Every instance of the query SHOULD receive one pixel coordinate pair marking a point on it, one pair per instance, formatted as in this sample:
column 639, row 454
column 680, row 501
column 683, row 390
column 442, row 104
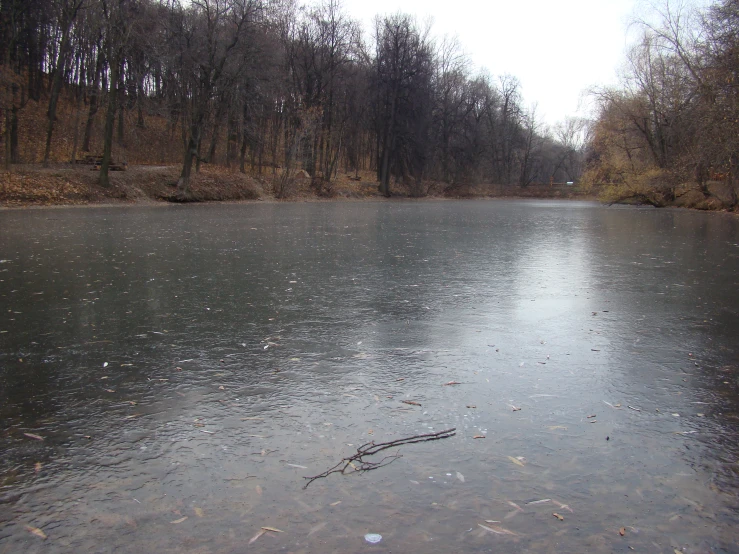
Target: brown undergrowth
column 66, row 184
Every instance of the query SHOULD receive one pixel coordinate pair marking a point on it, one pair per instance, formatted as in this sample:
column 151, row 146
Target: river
column 170, row 375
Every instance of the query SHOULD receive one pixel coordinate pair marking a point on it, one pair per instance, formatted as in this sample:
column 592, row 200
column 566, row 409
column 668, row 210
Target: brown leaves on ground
column 43, row 187
column 67, row 184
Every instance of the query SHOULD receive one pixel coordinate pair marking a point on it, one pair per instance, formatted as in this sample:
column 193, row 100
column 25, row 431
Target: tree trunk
column 56, row 87
column 8, row 123
column 139, row 101
column 183, row 184
column 14, row 135
column 120, row 133
column 121, row 97
column 191, row 151
column 388, row 145
column 7, row 140
column 216, row 131
column 198, row 157
column 110, row 123
column 77, row 110
column 242, row 165
column 94, row 93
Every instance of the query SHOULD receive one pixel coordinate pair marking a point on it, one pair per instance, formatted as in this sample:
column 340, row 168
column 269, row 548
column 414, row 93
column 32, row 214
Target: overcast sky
column 556, row 48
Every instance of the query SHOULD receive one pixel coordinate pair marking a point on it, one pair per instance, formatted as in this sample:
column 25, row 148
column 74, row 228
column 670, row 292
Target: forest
column 266, row 86
column 669, row 132
column 275, row 87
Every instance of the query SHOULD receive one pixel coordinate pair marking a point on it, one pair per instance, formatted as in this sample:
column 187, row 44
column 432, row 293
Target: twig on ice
column 356, row 462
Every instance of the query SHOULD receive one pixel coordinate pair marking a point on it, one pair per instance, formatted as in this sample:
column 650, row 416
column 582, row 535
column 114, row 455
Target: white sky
column 556, row 48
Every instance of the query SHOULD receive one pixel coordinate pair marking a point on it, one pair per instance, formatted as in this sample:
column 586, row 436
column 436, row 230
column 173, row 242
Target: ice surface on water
column 193, row 418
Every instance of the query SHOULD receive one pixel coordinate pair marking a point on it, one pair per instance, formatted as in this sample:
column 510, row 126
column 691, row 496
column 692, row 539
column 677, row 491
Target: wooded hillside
column 258, row 84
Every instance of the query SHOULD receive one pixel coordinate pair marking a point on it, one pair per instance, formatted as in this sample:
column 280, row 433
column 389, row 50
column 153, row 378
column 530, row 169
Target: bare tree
column 402, row 83
column 207, row 37
column 67, row 13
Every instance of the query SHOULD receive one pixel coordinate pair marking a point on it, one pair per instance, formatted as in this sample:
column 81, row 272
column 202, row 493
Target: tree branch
column 356, row 462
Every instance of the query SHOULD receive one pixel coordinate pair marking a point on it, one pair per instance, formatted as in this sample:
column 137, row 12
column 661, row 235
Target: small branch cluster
column 357, row 461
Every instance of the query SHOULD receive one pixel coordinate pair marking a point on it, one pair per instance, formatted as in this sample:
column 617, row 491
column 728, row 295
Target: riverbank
column 65, row 184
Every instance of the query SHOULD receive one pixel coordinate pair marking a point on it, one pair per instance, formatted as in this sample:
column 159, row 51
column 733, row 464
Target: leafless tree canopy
column 674, row 119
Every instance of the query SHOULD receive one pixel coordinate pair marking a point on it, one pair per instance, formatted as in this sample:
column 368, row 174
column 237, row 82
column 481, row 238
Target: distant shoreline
column 64, row 185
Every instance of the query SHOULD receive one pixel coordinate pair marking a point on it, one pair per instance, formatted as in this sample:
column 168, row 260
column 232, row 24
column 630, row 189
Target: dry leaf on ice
column 36, row 531
column 498, row 530
column 259, row 534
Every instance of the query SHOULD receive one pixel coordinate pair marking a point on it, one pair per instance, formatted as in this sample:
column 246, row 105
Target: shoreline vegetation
column 235, row 100
column 75, row 185
column 68, row 185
